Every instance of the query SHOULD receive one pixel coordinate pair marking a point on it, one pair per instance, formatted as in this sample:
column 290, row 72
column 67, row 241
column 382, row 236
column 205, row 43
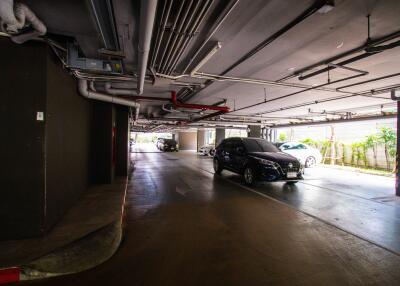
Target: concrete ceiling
column 317, row 38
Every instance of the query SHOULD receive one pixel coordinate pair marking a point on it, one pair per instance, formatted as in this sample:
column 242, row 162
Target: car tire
column 217, row 166
column 310, row 162
column 211, row 153
column 249, row 176
column 291, row 182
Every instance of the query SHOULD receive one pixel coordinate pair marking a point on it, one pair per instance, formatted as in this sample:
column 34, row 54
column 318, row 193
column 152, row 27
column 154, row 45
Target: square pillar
column 254, row 131
column 201, row 138
column 219, row 135
column 398, row 151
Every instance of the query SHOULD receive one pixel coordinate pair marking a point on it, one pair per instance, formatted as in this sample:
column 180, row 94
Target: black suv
column 167, row 145
column 257, row 160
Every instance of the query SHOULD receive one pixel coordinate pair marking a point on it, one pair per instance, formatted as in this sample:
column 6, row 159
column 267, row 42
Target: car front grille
column 285, row 167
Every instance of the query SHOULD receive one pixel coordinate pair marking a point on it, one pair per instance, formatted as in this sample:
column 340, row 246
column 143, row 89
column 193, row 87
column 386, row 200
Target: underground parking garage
column 200, row 142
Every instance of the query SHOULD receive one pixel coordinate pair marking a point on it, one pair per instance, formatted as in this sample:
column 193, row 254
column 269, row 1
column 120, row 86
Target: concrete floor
column 186, row 226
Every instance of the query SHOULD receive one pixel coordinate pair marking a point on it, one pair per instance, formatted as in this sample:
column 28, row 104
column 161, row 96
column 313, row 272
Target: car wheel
column 212, row 152
column 291, row 182
column 249, row 176
column 310, row 162
column 217, row 166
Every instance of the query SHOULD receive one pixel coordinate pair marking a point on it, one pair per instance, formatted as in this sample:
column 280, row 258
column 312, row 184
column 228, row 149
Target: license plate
column 291, row 175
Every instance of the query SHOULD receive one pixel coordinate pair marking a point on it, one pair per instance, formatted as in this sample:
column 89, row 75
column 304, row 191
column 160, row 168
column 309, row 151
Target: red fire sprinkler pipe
column 223, row 109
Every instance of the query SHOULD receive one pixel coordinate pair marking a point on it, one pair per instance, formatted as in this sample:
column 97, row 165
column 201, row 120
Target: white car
column 307, row 155
column 207, row 150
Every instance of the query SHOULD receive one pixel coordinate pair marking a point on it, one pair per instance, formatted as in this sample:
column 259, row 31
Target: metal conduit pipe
column 303, row 16
column 85, row 91
column 189, row 27
column 166, row 47
column 164, row 22
column 299, row 92
column 186, row 42
column 368, row 81
column 212, row 32
column 147, row 14
column 366, row 93
column 179, row 33
column 14, row 17
column 243, row 80
column 174, row 100
column 359, row 49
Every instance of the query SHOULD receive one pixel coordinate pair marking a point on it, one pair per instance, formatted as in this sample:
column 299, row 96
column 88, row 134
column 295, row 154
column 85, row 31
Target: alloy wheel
column 248, row 176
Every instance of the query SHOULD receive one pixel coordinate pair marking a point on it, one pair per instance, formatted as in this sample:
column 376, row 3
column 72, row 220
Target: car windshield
column 259, row 145
column 170, row 141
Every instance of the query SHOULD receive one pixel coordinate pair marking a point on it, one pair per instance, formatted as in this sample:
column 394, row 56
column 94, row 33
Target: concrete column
column 201, row 138
column 219, row 135
column 187, row 140
column 255, row 131
column 122, row 141
column 398, row 151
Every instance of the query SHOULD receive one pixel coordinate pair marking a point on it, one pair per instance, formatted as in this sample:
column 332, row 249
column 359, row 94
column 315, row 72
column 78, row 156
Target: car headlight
column 267, row 163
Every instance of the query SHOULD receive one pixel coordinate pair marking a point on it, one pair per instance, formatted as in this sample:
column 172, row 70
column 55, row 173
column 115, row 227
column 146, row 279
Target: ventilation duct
column 14, row 17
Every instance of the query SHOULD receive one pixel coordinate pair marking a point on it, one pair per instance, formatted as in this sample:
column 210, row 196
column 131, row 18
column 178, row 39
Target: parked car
column 306, row 154
column 257, row 160
column 167, row 145
column 207, row 150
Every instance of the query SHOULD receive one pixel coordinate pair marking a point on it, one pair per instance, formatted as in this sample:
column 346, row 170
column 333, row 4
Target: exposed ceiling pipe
column 299, row 92
column 341, row 120
column 303, row 16
column 365, row 93
column 174, row 100
column 179, row 32
column 164, row 21
column 147, row 14
column 219, row 22
column 178, row 53
column 85, row 91
column 172, row 28
column 208, row 116
column 359, row 49
column 216, row 77
column 14, row 17
column 368, row 81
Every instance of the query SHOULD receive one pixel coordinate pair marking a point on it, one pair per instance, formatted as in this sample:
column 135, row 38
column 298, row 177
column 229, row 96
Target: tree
column 371, row 142
column 310, row 142
column 282, row 137
column 387, row 137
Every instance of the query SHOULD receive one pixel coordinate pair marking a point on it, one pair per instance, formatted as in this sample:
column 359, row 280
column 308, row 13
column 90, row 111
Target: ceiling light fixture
column 207, row 57
column 327, row 7
column 340, row 45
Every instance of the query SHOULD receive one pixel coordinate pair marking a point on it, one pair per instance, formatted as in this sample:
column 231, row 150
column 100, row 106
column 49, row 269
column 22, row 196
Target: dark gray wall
column 44, row 164
column 68, row 121
column 122, row 147
column 47, row 165
column 101, row 147
column 22, row 91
